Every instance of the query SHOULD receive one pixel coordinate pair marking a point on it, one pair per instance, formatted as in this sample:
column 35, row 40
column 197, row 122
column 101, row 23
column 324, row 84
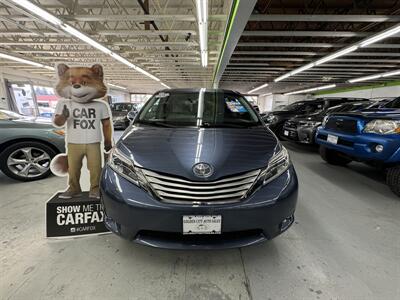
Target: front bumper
column 135, row 215
column 121, row 123
column 301, row 134
column 362, row 146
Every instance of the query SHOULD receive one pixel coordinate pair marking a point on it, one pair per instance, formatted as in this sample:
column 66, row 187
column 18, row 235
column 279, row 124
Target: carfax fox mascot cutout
column 87, row 119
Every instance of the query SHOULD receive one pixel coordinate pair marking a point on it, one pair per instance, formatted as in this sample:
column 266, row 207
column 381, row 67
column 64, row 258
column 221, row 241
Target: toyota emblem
column 203, row 170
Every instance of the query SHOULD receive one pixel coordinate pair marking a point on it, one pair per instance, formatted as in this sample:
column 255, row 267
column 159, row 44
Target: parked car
column 27, row 146
column 302, row 129
column 198, row 169
column 371, row 136
column 120, row 114
column 276, row 119
column 134, row 111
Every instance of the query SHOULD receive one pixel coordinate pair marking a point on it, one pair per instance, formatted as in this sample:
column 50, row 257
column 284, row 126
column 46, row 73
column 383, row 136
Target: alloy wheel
column 29, row 162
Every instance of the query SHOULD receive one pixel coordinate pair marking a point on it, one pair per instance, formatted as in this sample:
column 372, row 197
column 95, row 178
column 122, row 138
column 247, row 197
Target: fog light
column 111, row 224
column 286, row 223
column 379, row 148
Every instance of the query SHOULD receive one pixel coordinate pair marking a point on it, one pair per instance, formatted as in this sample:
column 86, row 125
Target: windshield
column 121, row 106
column 393, row 104
column 200, row 109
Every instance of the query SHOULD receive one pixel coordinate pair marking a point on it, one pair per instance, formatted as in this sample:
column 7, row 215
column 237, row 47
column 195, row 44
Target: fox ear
column 61, row 69
column 98, row 70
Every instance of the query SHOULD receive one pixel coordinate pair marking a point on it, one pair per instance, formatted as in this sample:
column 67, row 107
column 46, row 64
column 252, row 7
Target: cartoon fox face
column 80, row 84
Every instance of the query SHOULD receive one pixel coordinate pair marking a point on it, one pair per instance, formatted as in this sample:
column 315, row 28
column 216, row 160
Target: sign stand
column 74, row 217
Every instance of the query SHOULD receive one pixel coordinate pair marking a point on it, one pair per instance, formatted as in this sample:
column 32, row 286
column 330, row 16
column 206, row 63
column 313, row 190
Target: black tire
column 34, row 173
column 333, row 157
column 393, row 179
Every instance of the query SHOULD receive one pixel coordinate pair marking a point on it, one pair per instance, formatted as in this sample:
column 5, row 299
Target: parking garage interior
column 324, row 55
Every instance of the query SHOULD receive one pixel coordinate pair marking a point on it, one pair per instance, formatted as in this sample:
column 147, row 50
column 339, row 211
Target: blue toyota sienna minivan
column 198, row 169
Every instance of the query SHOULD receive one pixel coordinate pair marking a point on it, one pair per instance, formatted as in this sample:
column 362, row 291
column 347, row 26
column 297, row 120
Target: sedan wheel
column 27, row 161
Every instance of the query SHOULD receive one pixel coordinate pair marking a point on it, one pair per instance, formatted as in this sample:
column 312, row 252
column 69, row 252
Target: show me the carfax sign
column 74, row 217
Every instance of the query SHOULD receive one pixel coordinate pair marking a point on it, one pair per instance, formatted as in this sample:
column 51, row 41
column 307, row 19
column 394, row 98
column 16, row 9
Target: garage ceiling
column 282, row 35
column 159, row 36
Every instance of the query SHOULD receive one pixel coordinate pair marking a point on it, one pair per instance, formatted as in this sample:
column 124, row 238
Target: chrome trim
column 172, row 189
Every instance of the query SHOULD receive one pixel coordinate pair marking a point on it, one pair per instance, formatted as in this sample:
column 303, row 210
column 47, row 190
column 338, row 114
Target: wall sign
column 74, row 217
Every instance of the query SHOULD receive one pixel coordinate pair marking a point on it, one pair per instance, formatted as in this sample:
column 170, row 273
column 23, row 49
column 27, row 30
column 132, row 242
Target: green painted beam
column 359, row 88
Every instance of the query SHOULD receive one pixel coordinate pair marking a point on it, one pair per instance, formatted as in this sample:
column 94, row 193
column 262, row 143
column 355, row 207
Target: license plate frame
column 333, row 139
column 201, row 224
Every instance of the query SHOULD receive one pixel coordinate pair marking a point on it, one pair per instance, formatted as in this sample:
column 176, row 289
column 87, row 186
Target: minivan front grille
column 170, row 188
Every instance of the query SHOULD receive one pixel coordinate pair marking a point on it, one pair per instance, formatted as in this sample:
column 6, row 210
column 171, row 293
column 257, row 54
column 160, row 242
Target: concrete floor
column 345, row 244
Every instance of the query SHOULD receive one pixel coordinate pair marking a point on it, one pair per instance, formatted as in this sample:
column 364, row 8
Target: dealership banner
column 74, row 217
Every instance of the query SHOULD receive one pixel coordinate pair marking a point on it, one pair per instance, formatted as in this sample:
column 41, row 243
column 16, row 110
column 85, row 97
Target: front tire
column 27, row 161
column 393, row 179
column 333, row 157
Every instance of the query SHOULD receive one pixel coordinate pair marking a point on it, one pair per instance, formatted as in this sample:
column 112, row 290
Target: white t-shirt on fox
column 84, row 125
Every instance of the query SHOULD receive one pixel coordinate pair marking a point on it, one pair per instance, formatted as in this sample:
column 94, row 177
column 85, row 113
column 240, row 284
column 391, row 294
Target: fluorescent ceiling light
column 336, row 55
column 324, row 87
column 76, row 33
column 306, row 67
column 38, row 11
column 117, row 86
column 85, row 38
column 376, row 76
column 267, row 94
column 258, row 88
column 202, row 19
column 163, row 84
column 365, row 78
column 25, row 61
column 393, row 73
column 282, row 77
column 381, row 36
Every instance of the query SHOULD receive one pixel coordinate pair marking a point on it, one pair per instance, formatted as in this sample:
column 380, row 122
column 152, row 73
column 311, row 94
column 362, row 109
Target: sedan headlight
column 125, row 167
column 381, row 126
column 278, row 164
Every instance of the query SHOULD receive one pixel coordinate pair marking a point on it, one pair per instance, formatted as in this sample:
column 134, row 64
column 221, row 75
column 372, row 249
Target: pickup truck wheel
column 26, row 161
column 333, row 157
column 393, row 179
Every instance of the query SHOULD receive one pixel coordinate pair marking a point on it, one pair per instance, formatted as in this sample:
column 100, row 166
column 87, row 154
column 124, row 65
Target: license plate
column 286, row 132
column 333, row 139
column 202, row 224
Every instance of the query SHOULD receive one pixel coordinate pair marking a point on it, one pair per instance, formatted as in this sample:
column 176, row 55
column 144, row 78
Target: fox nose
column 76, row 86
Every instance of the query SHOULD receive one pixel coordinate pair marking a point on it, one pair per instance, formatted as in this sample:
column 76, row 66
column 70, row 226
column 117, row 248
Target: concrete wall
column 270, row 102
column 119, row 96
column 383, row 92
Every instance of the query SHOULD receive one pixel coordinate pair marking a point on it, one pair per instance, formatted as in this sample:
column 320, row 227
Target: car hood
column 33, row 122
column 382, row 113
column 314, row 117
column 176, row 150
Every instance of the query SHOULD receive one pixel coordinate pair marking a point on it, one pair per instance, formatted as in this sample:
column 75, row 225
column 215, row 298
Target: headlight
column 310, row 123
column 380, row 126
column 325, row 120
column 125, row 167
column 278, row 164
column 270, row 119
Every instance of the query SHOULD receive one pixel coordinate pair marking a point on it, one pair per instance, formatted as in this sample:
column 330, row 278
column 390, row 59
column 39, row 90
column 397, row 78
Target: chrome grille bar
column 170, row 188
